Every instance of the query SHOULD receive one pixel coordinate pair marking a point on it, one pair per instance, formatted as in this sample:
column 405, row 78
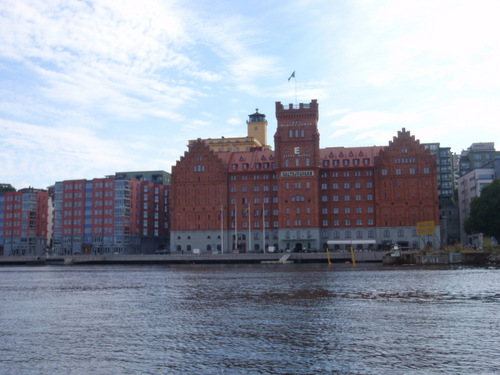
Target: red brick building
column 299, row 196
column 25, row 222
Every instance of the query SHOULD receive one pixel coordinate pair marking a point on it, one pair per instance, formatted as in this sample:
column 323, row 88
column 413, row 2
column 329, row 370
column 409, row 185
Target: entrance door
column 298, row 247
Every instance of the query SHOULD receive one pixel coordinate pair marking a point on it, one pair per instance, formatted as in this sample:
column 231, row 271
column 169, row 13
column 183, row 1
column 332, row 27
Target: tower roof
column 257, row 117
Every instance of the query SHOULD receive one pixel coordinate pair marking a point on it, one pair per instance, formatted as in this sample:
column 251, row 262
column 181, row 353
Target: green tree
column 5, row 188
column 485, row 212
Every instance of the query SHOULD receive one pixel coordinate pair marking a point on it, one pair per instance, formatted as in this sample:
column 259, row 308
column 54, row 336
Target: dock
column 203, row 258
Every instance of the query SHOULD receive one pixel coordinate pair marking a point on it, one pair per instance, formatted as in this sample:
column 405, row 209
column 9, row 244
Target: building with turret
column 256, row 137
column 301, row 197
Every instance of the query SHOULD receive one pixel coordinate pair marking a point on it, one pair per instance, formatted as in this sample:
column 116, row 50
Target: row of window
column 347, row 198
column 399, row 171
column 256, row 177
column 346, row 162
column 245, row 166
column 401, row 233
column 336, row 174
column 347, row 185
column 348, row 222
column 347, row 210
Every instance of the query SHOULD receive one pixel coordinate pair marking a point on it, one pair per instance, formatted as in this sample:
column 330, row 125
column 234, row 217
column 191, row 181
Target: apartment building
column 112, row 215
column 25, row 222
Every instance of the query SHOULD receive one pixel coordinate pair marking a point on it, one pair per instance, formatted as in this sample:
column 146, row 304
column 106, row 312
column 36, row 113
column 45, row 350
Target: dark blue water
column 265, row 319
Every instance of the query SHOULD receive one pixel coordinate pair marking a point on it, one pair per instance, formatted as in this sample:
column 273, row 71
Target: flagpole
column 235, row 227
column 295, row 79
column 249, row 226
column 221, row 230
column 263, row 230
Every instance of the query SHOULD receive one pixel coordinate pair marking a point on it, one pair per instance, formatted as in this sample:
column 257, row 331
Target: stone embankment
column 270, row 258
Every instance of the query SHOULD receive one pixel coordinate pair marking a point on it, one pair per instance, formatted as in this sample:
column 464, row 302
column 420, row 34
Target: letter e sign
column 296, row 150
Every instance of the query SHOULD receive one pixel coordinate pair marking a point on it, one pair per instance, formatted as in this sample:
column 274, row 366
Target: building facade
column 25, row 222
column 256, row 137
column 477, row 155
column 299, row 196
column 112, row 215
column 448, row 205
column 470, row 186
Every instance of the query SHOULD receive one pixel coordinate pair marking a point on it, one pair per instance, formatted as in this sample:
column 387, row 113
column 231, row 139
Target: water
column 234, row 319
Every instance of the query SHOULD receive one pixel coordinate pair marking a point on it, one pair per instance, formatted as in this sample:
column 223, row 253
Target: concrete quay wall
column 360, row 256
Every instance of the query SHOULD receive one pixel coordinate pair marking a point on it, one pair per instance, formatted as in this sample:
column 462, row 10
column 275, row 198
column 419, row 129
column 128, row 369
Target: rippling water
column 233, row 319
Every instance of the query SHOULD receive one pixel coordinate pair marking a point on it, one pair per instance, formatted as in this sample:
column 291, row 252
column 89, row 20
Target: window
column 384, row 172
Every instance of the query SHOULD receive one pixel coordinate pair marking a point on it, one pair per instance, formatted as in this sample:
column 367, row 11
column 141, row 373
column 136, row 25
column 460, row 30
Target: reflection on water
column 273, row 319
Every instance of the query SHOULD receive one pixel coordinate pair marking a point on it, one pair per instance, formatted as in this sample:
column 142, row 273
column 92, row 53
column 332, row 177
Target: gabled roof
column 350, row 153
column 253, row 160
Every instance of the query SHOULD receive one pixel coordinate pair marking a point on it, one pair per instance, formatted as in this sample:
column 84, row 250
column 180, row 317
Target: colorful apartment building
column 112, row 215
column 25, row 222
column 302, row 197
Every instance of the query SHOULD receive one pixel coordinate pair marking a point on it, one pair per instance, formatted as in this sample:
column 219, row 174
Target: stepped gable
column 404, row 141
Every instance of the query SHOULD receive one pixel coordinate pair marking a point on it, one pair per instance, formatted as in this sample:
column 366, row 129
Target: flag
column 292, row 76
column 245, row 211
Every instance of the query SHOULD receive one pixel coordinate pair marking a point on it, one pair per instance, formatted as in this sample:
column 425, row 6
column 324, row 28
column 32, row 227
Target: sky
column 90, row 88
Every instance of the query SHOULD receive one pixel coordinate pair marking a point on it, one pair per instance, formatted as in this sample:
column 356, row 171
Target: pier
column 203, row 258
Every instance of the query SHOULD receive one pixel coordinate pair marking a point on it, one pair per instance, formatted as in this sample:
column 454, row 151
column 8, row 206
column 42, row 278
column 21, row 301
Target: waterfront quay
column 203, row 258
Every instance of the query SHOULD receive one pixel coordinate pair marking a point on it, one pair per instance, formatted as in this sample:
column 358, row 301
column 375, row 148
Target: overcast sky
column 90, row 88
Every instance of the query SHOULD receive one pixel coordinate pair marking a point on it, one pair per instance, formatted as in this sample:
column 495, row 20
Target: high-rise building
column 448, row 207
column 477, row 155
column 470, row 186
column 113, row 215
column 300, row 196
column 25, row 222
